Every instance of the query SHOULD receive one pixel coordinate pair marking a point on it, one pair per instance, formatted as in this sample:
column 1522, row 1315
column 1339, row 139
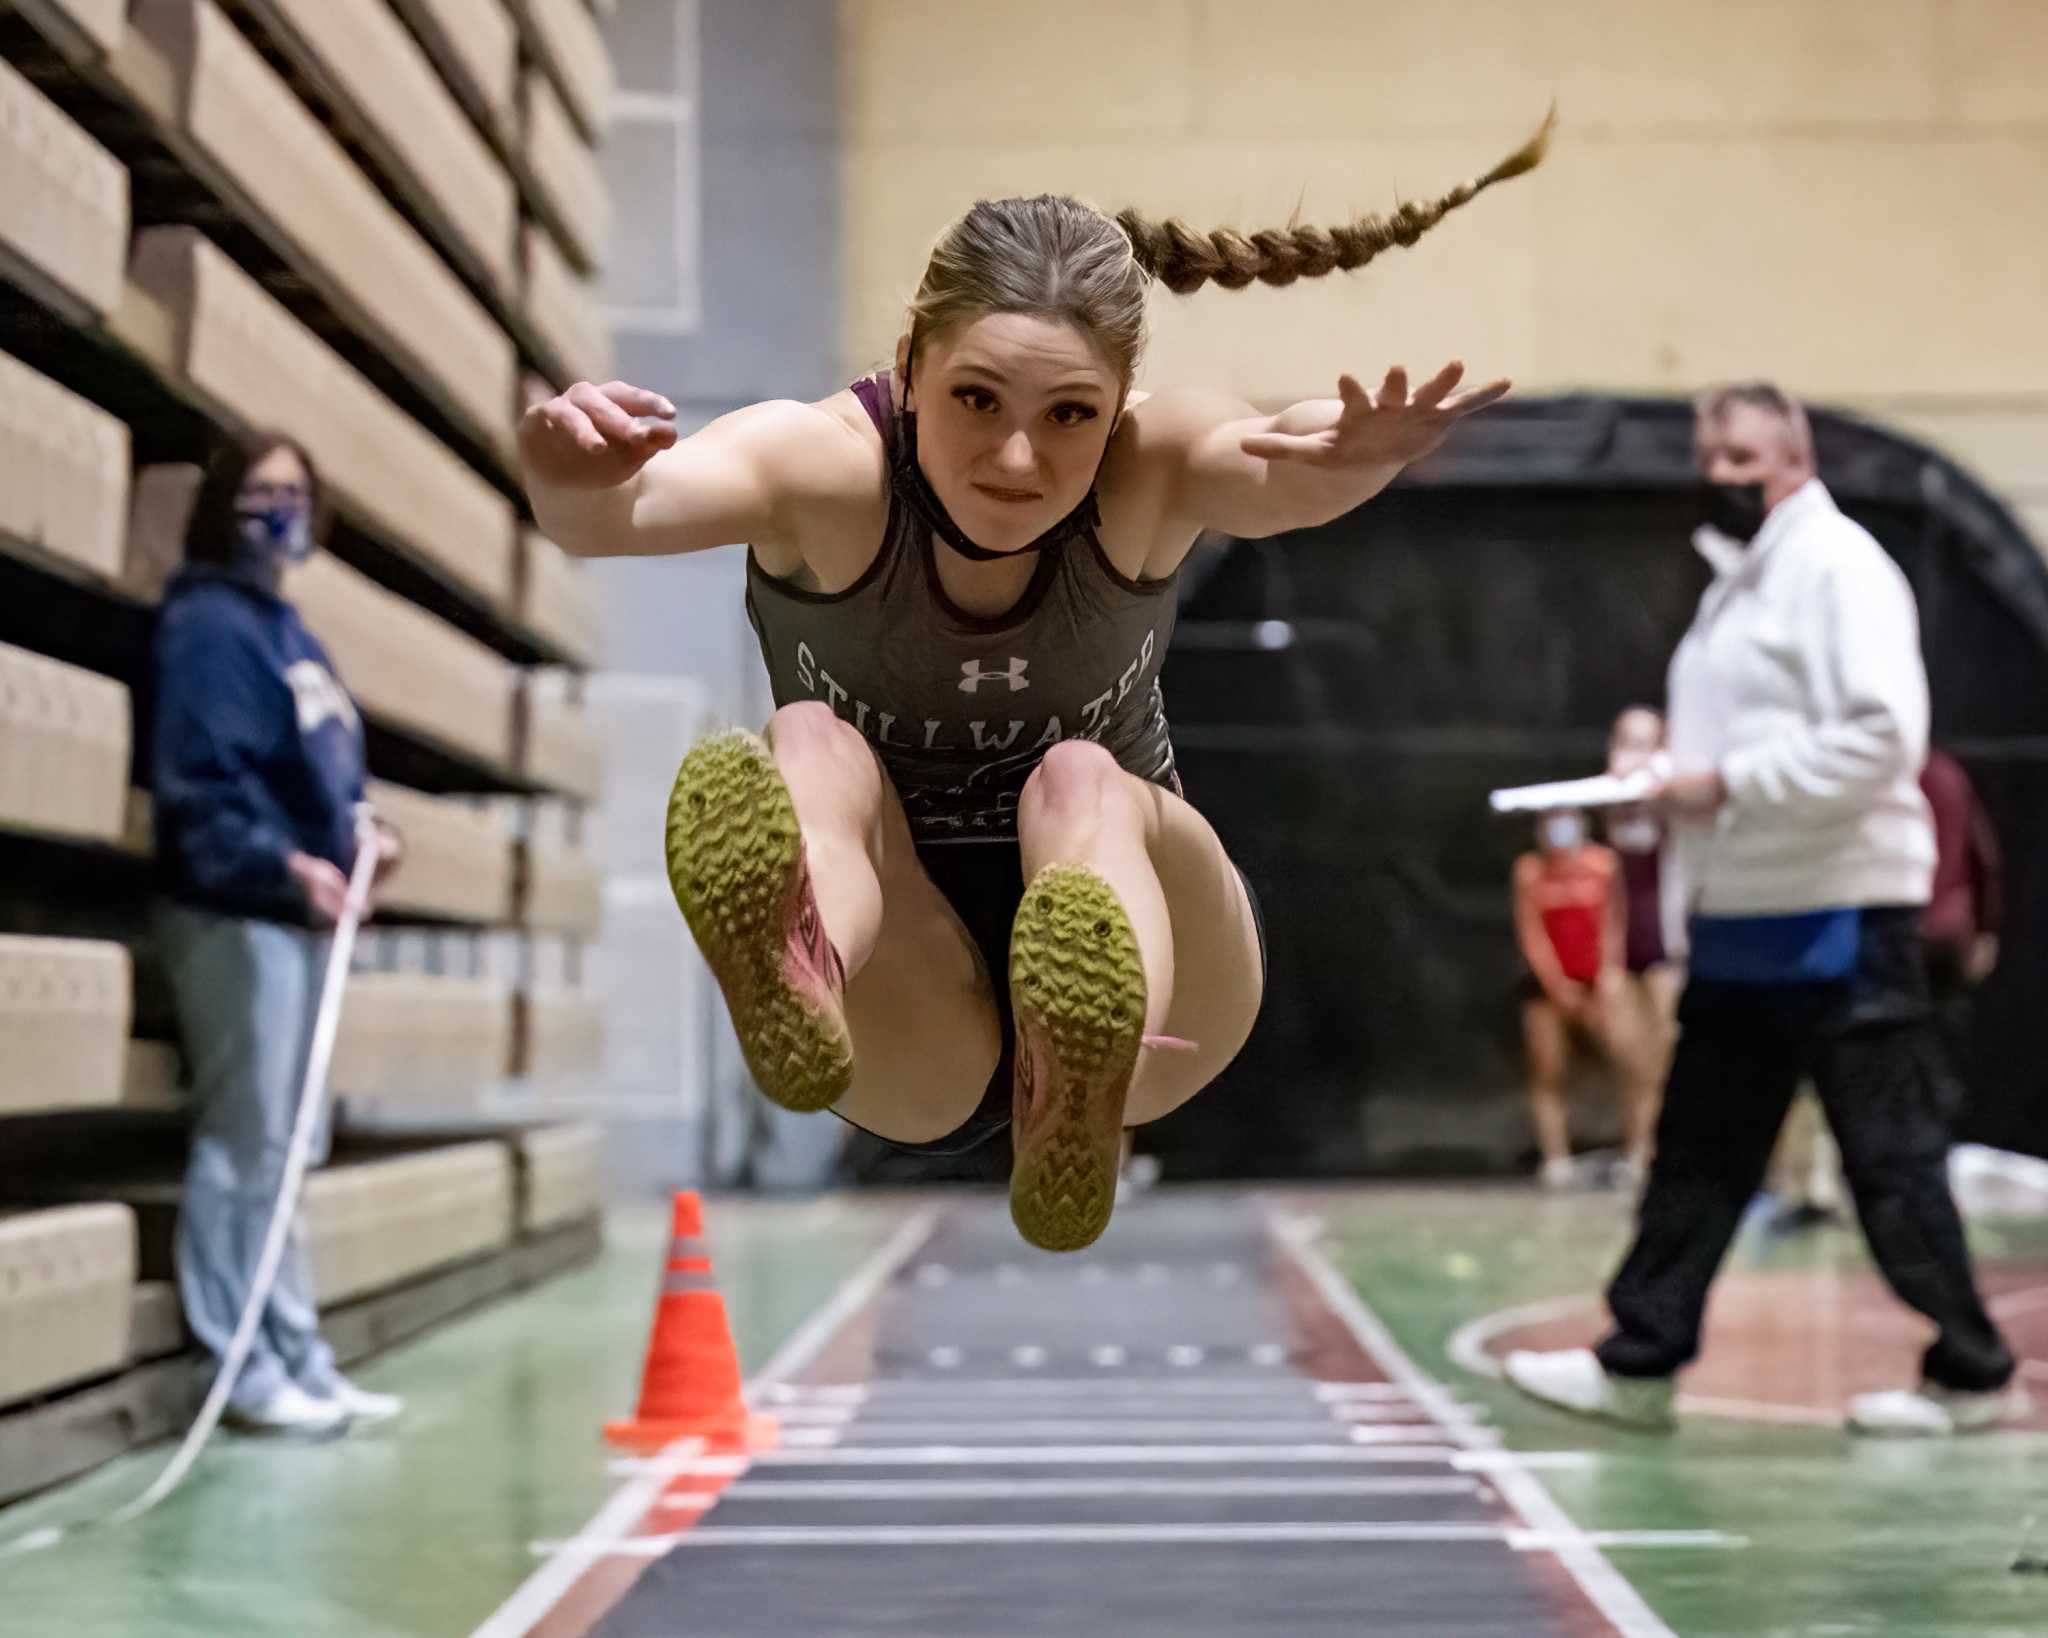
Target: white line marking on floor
column 801, row 1415
column 1534, row 1461
column 1027, row 1358
column 1184, row 1354
column 1366, row 1433
column 541, row 1591
column 946, row 1359
column 1122, row 1535
column 1108, row 1356
column 687, row 1501
column 825, row 1393
column 1604, row 1585
column 1467, row 1347
column 2019, row 1302
column 1097, row 1455
column 781, row 1490
column 1221, row 1387
column 1755, row 1410
column 1467, row 1344
column 1075, row 1430
column 673, row 1467
column 1549, row 1541
column 1362, row 1390
column 1269, row 1353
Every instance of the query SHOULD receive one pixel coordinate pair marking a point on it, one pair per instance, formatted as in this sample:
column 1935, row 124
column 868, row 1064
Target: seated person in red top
column 1570, row 923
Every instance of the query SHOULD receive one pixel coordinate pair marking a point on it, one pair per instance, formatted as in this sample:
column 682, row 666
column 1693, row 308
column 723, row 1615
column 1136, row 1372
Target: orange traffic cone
column 690, row 1386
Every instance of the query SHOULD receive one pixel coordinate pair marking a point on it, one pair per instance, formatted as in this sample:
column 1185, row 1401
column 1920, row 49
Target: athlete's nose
column 1016, row 458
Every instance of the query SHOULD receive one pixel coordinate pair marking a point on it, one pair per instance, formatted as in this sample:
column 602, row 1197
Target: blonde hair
column 1056, row 258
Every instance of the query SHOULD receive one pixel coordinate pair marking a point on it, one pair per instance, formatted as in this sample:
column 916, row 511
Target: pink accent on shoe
column 1170, row 1043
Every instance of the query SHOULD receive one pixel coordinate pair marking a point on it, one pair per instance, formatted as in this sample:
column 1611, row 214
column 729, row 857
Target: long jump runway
column 1193, row 1428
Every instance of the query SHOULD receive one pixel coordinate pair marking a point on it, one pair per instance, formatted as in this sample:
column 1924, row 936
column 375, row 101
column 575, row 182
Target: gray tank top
column 960, row 709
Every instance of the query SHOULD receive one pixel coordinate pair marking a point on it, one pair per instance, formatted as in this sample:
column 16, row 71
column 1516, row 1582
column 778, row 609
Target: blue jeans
column 246, row 994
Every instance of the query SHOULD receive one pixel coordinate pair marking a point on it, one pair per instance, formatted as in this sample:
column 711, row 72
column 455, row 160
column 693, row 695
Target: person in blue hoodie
column 255, row 757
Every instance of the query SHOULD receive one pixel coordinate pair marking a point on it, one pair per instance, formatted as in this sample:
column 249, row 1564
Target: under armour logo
column 972, row 676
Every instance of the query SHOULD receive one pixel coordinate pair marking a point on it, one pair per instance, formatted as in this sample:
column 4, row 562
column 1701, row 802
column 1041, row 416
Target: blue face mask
column 274, row 534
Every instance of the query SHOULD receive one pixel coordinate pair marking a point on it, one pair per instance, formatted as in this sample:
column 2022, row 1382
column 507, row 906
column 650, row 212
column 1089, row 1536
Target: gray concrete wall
column 735, row 227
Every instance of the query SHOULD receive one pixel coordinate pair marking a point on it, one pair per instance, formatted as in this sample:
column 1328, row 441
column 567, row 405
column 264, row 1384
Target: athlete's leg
column 850, row 981
column 1134, row 922
column 1204, row 969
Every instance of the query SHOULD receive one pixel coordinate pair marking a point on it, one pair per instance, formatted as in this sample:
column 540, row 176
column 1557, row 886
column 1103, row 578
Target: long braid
column 1184, row 260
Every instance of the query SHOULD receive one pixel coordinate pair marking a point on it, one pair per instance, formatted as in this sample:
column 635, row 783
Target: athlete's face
column 1013, row 414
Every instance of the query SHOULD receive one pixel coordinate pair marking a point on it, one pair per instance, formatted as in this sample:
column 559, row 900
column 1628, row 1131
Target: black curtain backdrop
column 1343, row 699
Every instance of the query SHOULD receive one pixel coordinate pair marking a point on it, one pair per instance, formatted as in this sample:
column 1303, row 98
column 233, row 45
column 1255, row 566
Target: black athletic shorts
column 984, row 882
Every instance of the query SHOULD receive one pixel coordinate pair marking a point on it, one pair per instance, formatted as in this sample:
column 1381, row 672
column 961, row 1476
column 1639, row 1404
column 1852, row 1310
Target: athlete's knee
column 1074, row 778
column 807, row 734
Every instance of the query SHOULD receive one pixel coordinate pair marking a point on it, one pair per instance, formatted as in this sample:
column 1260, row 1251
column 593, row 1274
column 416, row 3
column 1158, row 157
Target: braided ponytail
column 1058, row 259
column 1184, row 260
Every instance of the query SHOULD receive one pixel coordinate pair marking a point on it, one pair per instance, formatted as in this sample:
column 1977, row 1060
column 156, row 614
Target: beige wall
column 1850, row 195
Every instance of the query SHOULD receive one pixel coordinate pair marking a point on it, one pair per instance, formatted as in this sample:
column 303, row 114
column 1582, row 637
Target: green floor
column 421, row 1532
column 1845, row 1537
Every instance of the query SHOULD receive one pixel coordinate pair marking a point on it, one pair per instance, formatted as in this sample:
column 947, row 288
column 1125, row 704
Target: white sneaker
column 1559, row 1174
column 290, row 1409
column 1931, row 1411
column 1573, row 1379
column 363, row 1405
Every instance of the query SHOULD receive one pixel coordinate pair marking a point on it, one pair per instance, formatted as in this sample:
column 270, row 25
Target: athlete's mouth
column 1012, row 497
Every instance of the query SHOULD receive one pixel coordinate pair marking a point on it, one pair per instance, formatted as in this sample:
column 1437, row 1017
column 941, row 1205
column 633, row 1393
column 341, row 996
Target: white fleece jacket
column 1801, row 680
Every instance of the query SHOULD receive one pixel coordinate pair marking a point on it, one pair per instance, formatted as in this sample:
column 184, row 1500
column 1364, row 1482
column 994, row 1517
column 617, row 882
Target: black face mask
column 1736, row 509
column 917, row 492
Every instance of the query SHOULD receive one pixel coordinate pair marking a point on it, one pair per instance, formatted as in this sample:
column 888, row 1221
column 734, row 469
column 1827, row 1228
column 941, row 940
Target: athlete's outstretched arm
column 1250, row 474
column 608, row 475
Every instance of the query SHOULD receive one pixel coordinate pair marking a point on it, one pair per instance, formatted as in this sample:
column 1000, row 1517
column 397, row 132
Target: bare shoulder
column 816, row 449
column 1178, row 418
column 1146, row 464
column 829, row 473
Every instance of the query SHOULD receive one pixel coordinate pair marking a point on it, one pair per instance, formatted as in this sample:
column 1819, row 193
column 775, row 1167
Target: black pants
column 1869, row 1042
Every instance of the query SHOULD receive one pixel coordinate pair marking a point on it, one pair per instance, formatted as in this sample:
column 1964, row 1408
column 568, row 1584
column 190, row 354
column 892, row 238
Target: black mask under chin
column 1736, row 509
column 917, row 492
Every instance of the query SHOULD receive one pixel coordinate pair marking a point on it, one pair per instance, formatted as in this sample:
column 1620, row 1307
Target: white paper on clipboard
column 1601, row 791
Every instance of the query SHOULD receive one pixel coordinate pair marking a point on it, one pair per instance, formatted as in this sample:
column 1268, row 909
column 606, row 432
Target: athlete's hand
column 1388, row 427
column 594, row 437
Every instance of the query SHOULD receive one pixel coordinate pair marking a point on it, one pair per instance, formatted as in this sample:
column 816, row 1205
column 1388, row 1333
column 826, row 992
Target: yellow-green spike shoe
column 1077, row 987
column 736, row 863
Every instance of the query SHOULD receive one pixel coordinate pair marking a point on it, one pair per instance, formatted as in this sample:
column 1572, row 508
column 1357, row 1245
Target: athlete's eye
column 978, row 399
column 1074, row 414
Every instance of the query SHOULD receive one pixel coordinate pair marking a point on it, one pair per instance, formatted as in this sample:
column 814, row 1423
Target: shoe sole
column 736, row 865
column 1077, row 987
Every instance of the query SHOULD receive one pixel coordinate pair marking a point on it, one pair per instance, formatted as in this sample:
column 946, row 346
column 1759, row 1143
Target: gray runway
column 1121, row 1442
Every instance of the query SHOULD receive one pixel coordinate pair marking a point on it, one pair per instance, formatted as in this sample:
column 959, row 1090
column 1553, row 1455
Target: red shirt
column 1570, row 895
column 1968, row 887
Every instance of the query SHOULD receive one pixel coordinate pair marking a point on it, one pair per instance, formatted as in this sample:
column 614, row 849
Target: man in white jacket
column 1798, row 726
